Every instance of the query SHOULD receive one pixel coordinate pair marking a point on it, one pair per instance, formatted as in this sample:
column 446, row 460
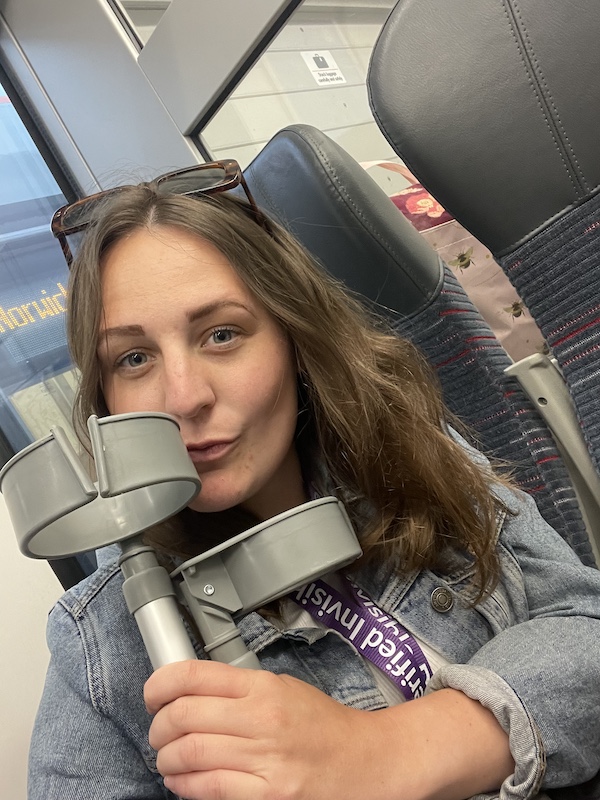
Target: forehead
column 166, row 266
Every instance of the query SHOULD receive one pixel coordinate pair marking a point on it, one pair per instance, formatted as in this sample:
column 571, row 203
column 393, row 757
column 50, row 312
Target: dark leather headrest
column 305, row 181
column 495, row 107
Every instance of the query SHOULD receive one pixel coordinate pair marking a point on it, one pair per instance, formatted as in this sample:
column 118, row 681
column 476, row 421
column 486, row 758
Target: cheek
column 125, row 397
column 284, row 405
column 113, row 397
column 108, row 393
column 274, row 395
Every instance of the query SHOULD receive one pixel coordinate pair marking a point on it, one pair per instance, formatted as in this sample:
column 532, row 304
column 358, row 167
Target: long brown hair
column 372, row 417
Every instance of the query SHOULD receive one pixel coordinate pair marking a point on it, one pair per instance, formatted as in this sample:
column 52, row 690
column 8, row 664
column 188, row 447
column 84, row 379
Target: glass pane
column 314, row 72
column 143, row 15
column 36, row 379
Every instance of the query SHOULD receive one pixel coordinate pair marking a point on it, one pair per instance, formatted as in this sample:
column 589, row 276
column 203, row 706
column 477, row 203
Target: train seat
column 311, row 185
column 495, row 107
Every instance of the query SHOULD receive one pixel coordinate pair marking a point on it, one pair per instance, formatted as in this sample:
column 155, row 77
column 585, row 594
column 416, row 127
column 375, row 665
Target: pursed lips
column 206, row 452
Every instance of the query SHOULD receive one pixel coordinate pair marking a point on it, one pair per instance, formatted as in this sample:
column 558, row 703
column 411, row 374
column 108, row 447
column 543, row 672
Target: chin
column 209, row 507
column 205, row 504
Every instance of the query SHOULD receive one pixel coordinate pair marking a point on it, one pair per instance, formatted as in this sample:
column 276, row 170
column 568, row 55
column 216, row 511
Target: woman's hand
column 224, row 733
column 235, row 734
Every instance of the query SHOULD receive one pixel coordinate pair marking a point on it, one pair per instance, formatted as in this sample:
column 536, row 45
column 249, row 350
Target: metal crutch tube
column 150, row 597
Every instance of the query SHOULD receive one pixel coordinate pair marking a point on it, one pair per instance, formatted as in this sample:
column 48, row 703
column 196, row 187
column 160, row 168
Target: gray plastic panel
column 145, row 475
column 275, row 557
column 541, row 378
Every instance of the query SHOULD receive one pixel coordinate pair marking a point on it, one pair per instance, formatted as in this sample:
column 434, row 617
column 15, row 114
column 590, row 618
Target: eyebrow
column 210, row 308
column 192, row 316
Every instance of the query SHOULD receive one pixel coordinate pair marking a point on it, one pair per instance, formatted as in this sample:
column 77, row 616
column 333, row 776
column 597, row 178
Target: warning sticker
column 323, row 67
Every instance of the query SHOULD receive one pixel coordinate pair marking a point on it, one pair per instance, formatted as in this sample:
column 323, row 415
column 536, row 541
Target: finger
column 199, row 752
column 195, row 678
column 217, row 785
column 216, row 715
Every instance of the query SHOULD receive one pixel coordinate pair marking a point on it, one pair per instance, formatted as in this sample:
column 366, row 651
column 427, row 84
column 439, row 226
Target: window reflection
column 36, row 380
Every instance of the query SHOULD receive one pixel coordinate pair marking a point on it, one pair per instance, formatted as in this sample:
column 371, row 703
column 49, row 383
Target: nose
column 187, row 387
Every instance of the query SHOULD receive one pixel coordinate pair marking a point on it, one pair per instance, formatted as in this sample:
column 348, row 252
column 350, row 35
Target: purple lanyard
column 373, row 633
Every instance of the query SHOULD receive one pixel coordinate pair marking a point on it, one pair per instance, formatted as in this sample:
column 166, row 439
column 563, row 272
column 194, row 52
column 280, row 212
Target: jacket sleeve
column 77, row 750
column 541, row 676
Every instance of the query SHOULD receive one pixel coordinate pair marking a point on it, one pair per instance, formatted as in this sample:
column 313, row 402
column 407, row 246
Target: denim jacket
column 530, row 652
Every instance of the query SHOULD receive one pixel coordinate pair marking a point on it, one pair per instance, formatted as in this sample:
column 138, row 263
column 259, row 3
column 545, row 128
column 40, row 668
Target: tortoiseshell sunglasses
column 203, row 179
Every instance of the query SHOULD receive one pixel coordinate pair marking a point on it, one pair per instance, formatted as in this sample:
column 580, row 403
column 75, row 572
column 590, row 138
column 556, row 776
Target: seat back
column 495, row 107
column 313, row 187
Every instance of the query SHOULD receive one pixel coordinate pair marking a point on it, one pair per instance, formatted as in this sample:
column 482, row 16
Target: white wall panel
column 332, row 108
column 28, row 590
column 324, row 32
column 281, row 89
column 366, row 143
column 246, row 121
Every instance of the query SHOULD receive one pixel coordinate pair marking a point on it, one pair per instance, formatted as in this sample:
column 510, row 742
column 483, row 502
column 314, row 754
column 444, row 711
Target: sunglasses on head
column 204, row 179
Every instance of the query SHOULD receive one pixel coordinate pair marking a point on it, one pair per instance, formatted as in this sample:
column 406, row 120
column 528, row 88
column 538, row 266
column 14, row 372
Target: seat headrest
column 495, row 107
column 310, row 185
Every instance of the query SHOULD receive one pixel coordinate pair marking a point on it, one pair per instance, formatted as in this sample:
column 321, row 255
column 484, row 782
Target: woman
column 284, row 390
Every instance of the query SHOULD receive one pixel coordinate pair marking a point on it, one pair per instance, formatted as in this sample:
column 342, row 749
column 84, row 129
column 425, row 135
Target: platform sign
column 323, row 67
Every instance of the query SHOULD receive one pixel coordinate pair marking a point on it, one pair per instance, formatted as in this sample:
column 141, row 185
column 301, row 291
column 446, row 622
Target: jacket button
column 441, row 599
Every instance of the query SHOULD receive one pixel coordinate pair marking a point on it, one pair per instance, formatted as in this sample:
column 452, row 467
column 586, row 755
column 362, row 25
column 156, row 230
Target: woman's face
column 182, row 334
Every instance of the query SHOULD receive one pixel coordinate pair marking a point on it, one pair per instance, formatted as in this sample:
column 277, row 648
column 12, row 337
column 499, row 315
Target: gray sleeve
column 78, row 751
column 524, row 737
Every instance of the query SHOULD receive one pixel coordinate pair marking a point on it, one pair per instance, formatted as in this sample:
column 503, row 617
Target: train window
column 313, row 72
column 295, row 62
column 141, row 16
column 36, row 377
